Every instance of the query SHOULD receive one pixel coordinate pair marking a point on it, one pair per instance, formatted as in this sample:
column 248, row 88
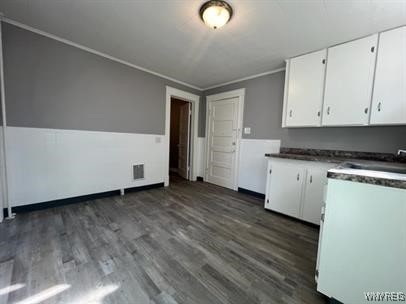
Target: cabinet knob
column 366, row 111
column 311, row 178
column 318, row 113
column 328, row 110
column 379, row 106
column 298, row 176
column 290, row 113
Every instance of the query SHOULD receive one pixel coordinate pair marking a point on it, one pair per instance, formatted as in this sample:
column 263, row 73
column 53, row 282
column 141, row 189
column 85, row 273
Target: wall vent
column 138, row 171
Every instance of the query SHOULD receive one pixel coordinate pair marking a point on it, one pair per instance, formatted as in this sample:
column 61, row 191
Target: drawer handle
column 379, row 106
column 328, row 110
column 298, row 176
column 311, row 178
column 290, row 113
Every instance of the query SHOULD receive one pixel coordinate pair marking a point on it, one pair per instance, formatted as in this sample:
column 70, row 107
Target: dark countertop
column 382, row 169
column 381, row 178
column 325, row 159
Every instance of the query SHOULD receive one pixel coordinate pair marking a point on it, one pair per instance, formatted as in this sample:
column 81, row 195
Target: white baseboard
column 50, row 164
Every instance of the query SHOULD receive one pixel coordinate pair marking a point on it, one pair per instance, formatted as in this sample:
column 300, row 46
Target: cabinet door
column 389, row 98
column 305, row 90
column 268, row 184
column 349, row 77
column 285, row 188
column 316, row 180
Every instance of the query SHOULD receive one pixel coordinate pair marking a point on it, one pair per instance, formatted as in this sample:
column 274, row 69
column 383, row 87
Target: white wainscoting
column 1, row 174
column 253, row 163
column 50, row 164
column 201, row 156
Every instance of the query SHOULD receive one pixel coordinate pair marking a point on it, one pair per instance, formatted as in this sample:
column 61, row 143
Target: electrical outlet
column 247, row 130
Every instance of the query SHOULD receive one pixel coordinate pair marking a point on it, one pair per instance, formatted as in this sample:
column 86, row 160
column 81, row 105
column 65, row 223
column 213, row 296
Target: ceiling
column 168, row 37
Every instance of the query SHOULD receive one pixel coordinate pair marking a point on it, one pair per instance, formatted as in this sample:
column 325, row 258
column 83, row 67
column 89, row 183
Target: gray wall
column 263, row 113
column 53, row 85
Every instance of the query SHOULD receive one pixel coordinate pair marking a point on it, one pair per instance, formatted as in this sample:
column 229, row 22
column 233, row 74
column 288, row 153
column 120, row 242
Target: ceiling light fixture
column 216, row 13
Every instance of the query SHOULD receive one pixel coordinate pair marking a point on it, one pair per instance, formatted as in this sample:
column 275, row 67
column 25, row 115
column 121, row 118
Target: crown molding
column 244, row 78
column 93, row 51
column 107, row 56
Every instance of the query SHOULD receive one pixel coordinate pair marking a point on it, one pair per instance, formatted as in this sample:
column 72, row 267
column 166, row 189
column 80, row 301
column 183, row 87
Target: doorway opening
column 180, row 139
column 194, row 155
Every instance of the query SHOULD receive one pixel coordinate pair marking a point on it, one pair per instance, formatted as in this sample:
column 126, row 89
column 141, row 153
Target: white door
column 389, row 98
column 285, row 188
column 349, row 78
column 305, row 90
column 184, row 135
column 222, row 142
column 316, row 180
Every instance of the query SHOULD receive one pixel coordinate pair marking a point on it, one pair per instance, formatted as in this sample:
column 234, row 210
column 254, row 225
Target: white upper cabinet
column 349, row 79
column 389, row 97
column 305, row 89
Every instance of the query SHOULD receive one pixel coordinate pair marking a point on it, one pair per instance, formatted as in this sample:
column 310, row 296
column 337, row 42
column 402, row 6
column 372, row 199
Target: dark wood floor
column 189, row 243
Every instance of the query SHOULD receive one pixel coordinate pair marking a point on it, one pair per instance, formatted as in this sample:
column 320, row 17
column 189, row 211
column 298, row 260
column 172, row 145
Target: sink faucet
column 401, row 152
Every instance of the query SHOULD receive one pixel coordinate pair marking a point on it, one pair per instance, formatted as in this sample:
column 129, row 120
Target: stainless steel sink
column 390, row 168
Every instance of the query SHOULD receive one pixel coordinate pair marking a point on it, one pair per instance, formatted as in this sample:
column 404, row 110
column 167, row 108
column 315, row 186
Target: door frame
column 189, row 139
column 240, row 94
column 195, row 103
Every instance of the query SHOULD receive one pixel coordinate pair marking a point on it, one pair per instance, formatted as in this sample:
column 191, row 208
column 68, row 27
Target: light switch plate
column 247, row 130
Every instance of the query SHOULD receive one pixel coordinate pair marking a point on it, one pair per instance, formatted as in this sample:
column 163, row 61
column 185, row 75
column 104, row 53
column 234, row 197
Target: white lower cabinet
column 295, row 188
column 286, row 181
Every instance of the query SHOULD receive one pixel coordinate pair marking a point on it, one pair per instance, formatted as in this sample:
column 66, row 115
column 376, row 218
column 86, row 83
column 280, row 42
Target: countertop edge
column 378, row 181
column 347, row 176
